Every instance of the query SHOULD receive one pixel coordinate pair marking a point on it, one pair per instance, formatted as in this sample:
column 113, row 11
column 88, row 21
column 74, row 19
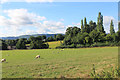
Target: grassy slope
column 54, row 44
column 70, row 62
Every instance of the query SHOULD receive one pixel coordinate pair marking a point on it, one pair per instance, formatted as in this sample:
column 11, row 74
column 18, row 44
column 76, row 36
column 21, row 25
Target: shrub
column 100, row 44
column 80, row 46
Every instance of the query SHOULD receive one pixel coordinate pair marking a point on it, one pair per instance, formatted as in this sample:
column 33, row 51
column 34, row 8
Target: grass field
column 54, row 44
column 71, row 63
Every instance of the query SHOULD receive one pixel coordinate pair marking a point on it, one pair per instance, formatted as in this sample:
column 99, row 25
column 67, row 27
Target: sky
column 25, row 18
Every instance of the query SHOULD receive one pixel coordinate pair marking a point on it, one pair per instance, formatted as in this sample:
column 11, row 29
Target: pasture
column 54, row 44
column 71, row 63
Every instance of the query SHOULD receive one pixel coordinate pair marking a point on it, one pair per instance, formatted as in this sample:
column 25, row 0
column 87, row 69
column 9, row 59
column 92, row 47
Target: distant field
column 71, row 63
column 54, row 44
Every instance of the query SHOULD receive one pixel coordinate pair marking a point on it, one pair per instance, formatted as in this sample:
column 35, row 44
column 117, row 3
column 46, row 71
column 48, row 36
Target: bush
column 87, row 45
column 67, row 46
column 72, row 46
column 100, row 44
column 3, row 45
column 80, row 46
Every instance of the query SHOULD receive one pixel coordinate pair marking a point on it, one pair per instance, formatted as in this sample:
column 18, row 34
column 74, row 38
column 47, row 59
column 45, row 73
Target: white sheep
column 38, row 56
column 3, row 60
column 62, row 49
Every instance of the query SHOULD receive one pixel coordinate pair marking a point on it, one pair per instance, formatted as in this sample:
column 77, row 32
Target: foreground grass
column 71, row 63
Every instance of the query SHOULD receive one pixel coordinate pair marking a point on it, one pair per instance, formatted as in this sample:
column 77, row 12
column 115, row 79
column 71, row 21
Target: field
column 71, row 63
column 54, row 44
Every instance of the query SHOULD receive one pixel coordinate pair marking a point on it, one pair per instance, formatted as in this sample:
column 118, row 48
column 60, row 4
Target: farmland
column 54, row 44
column 71, row 63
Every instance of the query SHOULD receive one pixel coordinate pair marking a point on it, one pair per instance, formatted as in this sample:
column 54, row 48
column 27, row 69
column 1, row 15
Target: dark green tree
column 112, row 31
column 3, row 45
column 85, row 24
column 43, row 37
column 94, row 35
column 118, row 26
column 10, row 42
column 82, row 27
column 109, row 38
column 59, row 37
column 100, row 27
column 55, row 37
column 39, row 38
column 118, row 36
column 21, row 44
column 32, row 38
column 33, row 45
column 68, row 31
column 67, row 40
column 50, row 38
column 101, row 37
column 92, row 25
column 72, row 31
column 75, row 31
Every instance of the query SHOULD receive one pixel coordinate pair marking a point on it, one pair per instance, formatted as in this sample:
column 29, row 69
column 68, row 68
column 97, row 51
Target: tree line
column 39, row 42
column 91, row 35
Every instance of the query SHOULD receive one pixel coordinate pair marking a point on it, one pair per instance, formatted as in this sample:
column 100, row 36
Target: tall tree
column 100, row 27
column 82, row 26
column 119, row 26
column 55, row 36
column 86, row 26
column 112, row 31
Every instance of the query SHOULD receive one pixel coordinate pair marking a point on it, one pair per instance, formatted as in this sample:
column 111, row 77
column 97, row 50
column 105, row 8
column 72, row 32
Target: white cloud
column 22, row 17
column 29, row 32
column 107, row 21
column 76, row 24
column 50, row 27
column 62, row 20
column 18, row 20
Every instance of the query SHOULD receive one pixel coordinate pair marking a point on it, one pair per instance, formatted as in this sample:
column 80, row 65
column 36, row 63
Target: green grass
column 71, row 63
column 54, row 44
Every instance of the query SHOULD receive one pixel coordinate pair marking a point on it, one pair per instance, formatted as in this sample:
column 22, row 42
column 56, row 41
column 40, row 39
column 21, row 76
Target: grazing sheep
column 62, row 49
column 3, row 60
column 38, row 56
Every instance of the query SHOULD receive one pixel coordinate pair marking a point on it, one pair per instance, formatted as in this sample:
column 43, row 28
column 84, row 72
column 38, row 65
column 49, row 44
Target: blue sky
column 21, row 18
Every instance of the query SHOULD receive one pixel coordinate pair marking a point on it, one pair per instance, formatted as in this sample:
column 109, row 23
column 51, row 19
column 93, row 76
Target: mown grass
column 70, row 63
column 54, row 44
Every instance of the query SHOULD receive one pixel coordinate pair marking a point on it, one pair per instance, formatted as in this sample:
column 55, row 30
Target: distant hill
column 27, row 36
